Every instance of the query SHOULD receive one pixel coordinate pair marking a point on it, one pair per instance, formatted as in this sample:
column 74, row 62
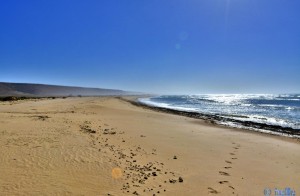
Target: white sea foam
column 279, row 110
column 267, row 120
column 231, row 124
column 147, row 101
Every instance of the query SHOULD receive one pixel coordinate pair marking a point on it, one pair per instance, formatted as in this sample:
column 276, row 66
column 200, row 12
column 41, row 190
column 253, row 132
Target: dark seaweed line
column 214, row 119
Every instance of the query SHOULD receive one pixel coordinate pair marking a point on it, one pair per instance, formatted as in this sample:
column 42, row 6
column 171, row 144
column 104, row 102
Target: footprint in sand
column 224, row 173
column 231, row 187
column 237, row 146
column 211, row 190
column 223, row 182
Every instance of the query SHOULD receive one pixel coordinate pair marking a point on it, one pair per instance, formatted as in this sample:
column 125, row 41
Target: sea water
column 270, row 109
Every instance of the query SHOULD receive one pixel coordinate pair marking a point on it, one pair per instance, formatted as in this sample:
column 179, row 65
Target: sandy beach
column 107, row 146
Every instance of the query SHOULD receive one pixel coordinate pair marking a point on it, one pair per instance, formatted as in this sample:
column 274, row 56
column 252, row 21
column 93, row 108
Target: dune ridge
column 44, row 90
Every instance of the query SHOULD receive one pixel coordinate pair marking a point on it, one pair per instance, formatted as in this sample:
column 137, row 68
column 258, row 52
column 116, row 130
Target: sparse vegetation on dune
column 15, row 98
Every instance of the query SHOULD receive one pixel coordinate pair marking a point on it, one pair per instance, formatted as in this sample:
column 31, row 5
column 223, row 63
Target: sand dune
column 106, row 146
column 44, row 90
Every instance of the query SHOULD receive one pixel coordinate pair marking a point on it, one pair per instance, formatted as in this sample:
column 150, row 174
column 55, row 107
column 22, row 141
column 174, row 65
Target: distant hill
column 44, row 90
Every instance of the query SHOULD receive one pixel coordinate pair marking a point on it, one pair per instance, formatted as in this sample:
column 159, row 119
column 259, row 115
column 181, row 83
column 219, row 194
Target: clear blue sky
column 160, row 46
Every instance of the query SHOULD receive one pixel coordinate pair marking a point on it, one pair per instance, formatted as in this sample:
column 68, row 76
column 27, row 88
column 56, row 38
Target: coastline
column 106, row 145
column 223, row 121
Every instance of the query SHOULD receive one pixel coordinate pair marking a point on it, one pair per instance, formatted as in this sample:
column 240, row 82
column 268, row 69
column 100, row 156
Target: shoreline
column 214, row 119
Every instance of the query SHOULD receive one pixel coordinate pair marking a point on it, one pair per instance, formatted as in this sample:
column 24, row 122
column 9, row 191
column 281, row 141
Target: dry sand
column 102, row 146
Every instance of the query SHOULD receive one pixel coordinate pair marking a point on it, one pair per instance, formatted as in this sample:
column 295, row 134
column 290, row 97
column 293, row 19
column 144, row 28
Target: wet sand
column 107, row 146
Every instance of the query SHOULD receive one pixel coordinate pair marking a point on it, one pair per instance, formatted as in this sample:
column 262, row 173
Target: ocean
column 260, row 112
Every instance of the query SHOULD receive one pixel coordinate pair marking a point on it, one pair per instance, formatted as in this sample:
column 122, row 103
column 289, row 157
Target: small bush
column 10, row 98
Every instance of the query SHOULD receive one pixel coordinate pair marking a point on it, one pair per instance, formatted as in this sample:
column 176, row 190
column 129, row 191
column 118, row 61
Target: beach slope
column 107, row 146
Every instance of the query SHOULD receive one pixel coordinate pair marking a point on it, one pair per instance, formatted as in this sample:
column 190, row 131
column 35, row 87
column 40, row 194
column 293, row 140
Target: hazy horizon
column 163, row 47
